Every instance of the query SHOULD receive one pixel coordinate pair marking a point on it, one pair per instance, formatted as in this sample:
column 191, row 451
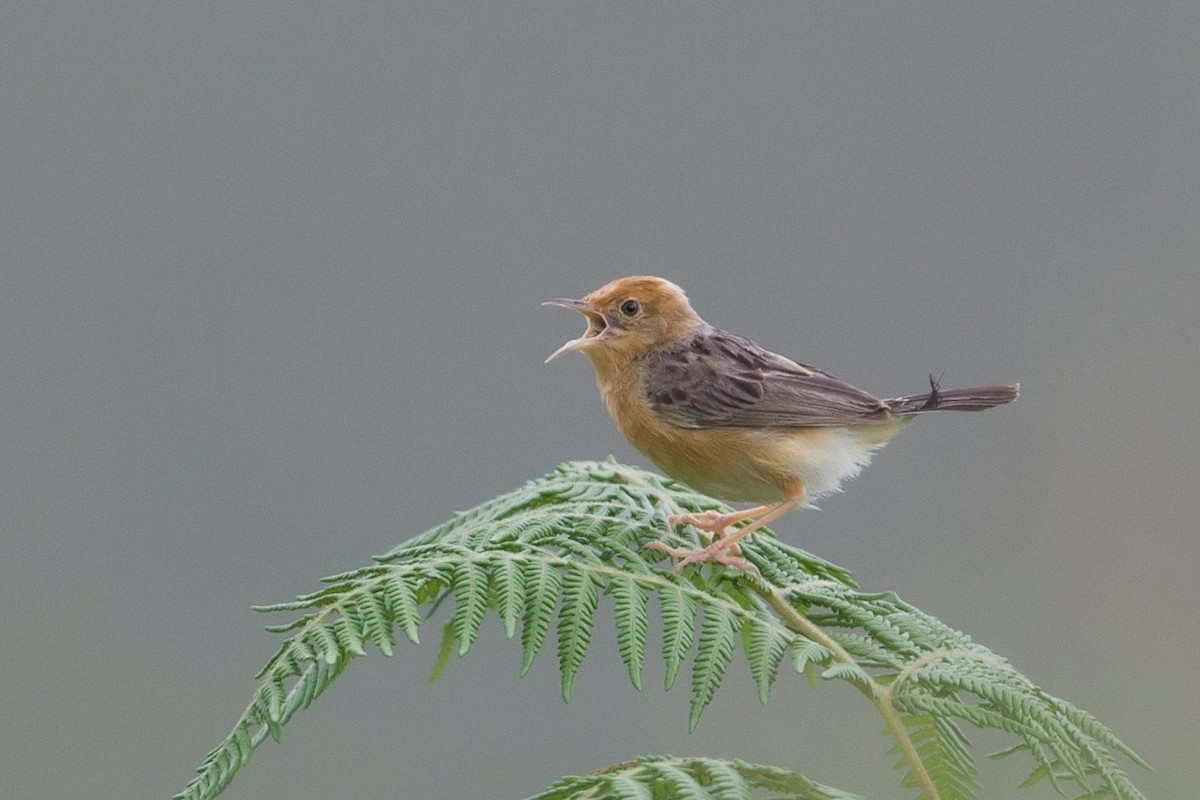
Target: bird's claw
column 712, row 523
column 709, row 523
column 704, row 520
column 715, row 553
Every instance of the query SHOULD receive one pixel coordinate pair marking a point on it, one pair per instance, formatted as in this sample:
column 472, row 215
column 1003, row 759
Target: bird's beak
column 598, row 325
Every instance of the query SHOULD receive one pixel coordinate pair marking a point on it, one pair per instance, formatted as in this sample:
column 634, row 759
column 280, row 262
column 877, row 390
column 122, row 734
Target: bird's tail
column 976, row 398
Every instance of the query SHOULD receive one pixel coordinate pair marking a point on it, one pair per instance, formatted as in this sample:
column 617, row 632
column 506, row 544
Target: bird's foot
column 709, row 523
column 717, row 553
column 714, row 523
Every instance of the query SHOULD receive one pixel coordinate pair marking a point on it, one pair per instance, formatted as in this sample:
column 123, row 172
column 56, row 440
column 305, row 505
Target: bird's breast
column 734, row 464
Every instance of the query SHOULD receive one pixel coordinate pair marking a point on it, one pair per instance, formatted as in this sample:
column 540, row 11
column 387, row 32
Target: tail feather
column 976, row 398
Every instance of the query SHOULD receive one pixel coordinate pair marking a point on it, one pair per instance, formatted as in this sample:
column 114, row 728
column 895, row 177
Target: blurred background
column 270, row 287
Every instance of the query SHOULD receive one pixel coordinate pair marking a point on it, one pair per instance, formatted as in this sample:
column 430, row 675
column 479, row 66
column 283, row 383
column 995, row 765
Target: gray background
column 269, row 306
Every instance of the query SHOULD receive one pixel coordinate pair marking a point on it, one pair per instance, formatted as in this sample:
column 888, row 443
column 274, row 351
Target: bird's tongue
column 574, row 344
column 597, row 325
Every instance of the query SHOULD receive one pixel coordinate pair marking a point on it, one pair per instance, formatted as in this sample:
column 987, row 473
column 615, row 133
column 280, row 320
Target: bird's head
column 629, row 317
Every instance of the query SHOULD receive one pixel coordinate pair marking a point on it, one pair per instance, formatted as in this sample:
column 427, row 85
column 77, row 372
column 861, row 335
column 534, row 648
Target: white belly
column 824, row 468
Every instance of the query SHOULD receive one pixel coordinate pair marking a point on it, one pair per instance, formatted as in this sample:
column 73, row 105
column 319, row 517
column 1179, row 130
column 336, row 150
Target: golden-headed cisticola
column 732, row 419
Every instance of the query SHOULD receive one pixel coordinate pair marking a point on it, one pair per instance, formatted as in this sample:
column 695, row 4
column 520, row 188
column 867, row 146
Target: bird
column 731, row 419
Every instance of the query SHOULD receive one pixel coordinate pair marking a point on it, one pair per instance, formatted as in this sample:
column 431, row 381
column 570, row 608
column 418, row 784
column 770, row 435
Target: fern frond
column 765, row 646
column 471, row 582
column 713, row 654
column 580, row 597
column 807, row 655
column 946, row 754
column 679, row 782
column 376, row 624
column 555, row 545
column 544, row 583
column 629, row 610
column 679, row 621
column 979, row 687
column 691, row 778
column 400, row 604
column 508, row 583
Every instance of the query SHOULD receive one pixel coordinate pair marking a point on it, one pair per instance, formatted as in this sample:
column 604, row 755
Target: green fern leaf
column 788, row 784
column 807, row 655
column 325, row 642
column 299, row 622
column 446, row 649
column 542, row 584
column 945, row 753
column 274, row 696
column 852, row 673
column 509, row 582
column 629, row 608
column 402, row 605
column 470, row 602
column 313, row 681
column 713, row 653
column 765, row 644
column 680, row 782
column 242, row 742
column 376, row 624
column 348, row 632
column 580, row 596
column 624, row 787
column 693, row 778
column 269, row 710
column 724, row 782
column 679, row 621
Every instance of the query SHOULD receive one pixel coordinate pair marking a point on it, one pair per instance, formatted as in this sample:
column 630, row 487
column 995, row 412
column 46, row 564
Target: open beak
column 597, row 327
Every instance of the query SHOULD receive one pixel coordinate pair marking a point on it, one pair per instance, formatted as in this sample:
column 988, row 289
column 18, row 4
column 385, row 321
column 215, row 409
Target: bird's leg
column 714, row 523
column 725, row 550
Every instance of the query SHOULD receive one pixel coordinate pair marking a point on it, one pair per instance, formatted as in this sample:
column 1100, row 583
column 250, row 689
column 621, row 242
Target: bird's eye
column 630, row 308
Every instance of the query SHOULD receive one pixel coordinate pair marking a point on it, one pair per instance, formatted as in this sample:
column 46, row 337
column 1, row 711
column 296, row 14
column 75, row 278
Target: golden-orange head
column 628, row 317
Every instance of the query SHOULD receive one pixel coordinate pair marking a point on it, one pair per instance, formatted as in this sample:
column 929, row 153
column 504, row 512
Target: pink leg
column 725, row 550
column 714, row 522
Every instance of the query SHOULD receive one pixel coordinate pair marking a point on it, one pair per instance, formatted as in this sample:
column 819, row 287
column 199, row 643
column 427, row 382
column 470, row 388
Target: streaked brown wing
column 719, row 380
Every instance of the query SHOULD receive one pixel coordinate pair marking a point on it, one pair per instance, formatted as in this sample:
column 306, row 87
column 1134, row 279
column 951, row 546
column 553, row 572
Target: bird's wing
column 719, row 380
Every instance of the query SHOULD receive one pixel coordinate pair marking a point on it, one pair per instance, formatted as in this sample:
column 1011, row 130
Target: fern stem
column 879, row 694
column 895, row 726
